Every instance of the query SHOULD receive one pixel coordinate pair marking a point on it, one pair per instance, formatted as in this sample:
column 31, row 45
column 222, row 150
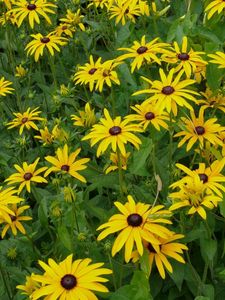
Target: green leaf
column 208, row 248
column 201, row 298
column 213, row 75
column 65, row 237
column 43, row 212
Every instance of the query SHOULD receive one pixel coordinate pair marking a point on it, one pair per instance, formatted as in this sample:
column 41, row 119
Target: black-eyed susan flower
column 159, row 254
column 199, row 130
column 4, row 87
column 86, row 117
column 99, row 3
column 67, row 163
column 136, row 222
column 45, row 136
column 115, row 159
column 87, row 74
column 26, row 175
column 15, row 220
column 210, row 176
column 200, row 73
column 26, row 120
column 8, row 197
column 20, row 71
column 193, row 195
column 187, row 60
column 64, row 29
column 218, row 58
column 32, row 10
column 212, row 100
column 213, row 7
column 29, row 286
column 70, row 279
column 147, row 114
column 74, row 19
column 51, row 42
column 143, row 52
column 114, row 132
column 169, row 92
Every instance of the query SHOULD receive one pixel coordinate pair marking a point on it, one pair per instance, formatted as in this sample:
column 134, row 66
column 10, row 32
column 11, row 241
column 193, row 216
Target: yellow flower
column 15, row 220
column 200, row 73
column 137, row 222
column 26, row 120
column 169, row 93
column 8, row 16
column 64, row 90
column 87, row 73
column 70, row 279
column 45, row 136
column 142, row 51
column 148, row 114
column 20, row 71
column 4, row 87
column 184, row 59
column 218, row 58
column 65, row 29
column 215, row 6
column 114, row 132
column 215, row 101
column 8, row 3
column 26, row 174
column 116, row 161
column 50, row 42
column 99, row 3
column 7, row 196
column 32, row 10
column 87, row 117
column 29, row 287
column 67, row 163
column 196, row 129
column 74, row 19
column 160, row 253
column 69, row 194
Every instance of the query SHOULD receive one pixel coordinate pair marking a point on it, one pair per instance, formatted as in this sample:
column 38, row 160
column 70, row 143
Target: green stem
column 112, row 268
column 52, row 67
column 75, row 216
column 123, row 189
column 7, row 288
column 170, row 146
column 35, row 250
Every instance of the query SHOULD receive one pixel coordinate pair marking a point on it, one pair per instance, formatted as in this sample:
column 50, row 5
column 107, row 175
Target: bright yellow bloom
column 200, row 73
column 86, row 118
column 184, row 59
column 160, row 253
column 87, row 73
column 196, row 129
column 45, row 136
column 26, row 174
column 20, row 71
column 29, row 287
column 70, row 279
column 214, row 101
column 32, row 10
column 4, row 87
column 218, row 58
column 142, row 51
column 67, row 163
column 99, row 3
column 215, row 6
column 50, row 42
column 136, row 222
column 169, row 93
column 210, row 176
column 113, row 132
column 15, row 220
column 8, row 197
column 74, row 19
column 65, row 29
column 8, row 16
column 194, row 195
column 116, row 161
column 26, row 120
column 8, row 3
column 147, row 114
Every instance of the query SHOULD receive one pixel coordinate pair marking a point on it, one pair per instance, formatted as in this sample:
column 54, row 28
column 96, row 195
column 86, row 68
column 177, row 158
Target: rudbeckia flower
column 87, row 117
column 169, row 92
column 115, row 159
column 32, row 10
column 70, row 279
column 65, row 29
column 67, row 163
column 187, row 60
column 29, row 287
column 15, row 220
column 218, row 58
column 20, row 71
column 26, row 174
column 26, row 120
column 8, row 197
column 115, row 132
column 136, row 222
column 197, row 129
column 213, row 101
column 4, row 87
column 50, row 42
column 74, row 19
column 213, row 7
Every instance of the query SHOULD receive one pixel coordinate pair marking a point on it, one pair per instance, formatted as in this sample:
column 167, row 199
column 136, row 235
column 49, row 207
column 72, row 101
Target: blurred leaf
column 208, row 248
column 65, row 237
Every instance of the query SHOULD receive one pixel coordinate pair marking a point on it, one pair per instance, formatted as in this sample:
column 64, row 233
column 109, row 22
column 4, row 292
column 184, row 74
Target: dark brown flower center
column 68, row 282
column 127, row 11
column 27, row 176
column 45, row 40
column 149, row 116
column 64, row 27
column 203, row 177
column 134, row 220
column 167, row 90
column 31, row 6
column 65, row 168
column 200, row 130
column 150, row 248
column 115, row 130
column 92, row 71
column 24, row 120
column 183, row 56
column 13, row 218
column 142, row 50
